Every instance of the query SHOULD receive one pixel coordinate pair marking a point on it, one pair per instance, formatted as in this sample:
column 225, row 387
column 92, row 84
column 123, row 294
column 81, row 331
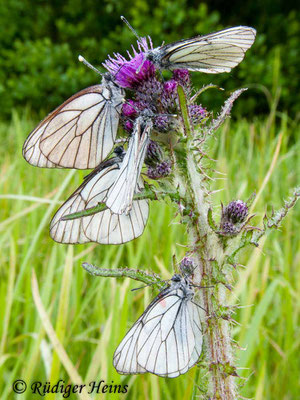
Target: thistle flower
column 130, row 108
column 170, row 87
column 130, row 73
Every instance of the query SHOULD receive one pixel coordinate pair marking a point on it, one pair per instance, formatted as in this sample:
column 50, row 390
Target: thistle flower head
column 129, row 109
column 130, row 73
column 170, row 87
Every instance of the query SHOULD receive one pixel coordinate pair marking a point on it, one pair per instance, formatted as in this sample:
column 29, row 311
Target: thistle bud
column 161, row 123
column 228, row 229
column 160, row 170
column 187, row 266
column 234, row 214
column 236, row 211
column 197, row 113
column 182, row 77
column 154, row 153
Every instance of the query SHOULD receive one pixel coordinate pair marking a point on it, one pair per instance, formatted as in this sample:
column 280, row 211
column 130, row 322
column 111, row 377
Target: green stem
column 210, row 258
column 136, row 274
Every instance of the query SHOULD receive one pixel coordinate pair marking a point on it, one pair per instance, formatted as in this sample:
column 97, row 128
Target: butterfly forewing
column 103, row 227
column 120, row 196
column 163, row 340
column 80, row 133
column 214, row 53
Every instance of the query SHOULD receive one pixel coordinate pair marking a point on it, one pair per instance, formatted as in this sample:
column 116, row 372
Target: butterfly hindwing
column 163, row 340
column 102, row 227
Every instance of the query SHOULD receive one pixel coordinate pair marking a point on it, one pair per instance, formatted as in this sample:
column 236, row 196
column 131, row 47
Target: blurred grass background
column 90, row 315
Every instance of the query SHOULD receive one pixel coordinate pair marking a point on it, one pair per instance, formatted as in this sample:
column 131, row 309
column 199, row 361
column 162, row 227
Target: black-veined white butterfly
column 120, row 195
column 167, row 338
column 81, row 132
column 213, row 53
column 103, row 227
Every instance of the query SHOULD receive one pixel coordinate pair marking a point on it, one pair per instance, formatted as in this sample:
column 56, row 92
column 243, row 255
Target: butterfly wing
column 119, row 197
column 214, row 53
column 103, row 227
column 163, row 340
column 78, row 134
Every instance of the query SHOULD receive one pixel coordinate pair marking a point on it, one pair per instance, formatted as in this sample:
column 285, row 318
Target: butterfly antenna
column 138, row 38
column 85, row 62
column 131, row 28
column 142, row 287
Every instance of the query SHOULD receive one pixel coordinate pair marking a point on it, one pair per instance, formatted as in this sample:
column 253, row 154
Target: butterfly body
column 120, row 196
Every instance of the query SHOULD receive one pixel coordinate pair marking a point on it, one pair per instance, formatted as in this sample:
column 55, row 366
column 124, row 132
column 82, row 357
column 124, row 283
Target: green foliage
column 40, row 43
column 91, row 314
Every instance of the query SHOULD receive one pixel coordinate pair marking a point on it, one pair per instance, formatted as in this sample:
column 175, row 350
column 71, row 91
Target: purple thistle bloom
column 128, row 126
column 170, row 87
column 130, row 109
column 125, row 71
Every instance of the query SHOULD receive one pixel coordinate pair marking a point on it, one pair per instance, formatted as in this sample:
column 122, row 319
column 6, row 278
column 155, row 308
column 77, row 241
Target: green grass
column 90, row 315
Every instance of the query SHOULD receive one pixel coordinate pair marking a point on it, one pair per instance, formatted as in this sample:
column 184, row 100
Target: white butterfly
column 81, row 132
column 120, row 195
column 167, row 338
column 214, row 53
column 103, row 227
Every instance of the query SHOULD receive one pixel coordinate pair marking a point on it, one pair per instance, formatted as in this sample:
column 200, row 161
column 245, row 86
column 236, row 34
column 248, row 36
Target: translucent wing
column 119, row 197
column 103, row 227
column 166, row 340
column 214, row 53
column 80, row 133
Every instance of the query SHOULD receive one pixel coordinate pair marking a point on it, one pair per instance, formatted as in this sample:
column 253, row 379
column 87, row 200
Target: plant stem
column 209, row 254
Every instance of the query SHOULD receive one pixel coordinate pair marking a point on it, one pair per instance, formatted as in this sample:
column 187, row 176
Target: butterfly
column 81, row 132
column 214, row 53
column 167, row 338
column 104, row 226
column 120, row 195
